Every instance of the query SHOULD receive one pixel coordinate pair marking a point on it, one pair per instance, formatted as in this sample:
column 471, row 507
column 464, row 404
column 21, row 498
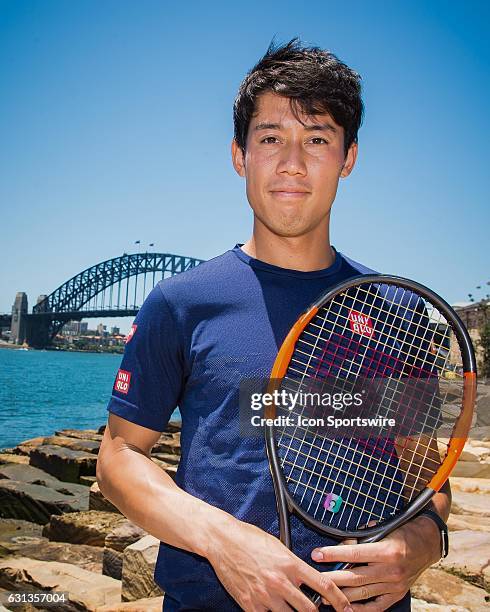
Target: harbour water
column 43, row 391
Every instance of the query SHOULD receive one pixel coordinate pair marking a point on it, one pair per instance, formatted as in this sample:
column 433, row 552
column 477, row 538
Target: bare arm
column 144, row 493
column 255, row 568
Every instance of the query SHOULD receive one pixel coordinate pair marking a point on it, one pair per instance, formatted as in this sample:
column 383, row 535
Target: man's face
column 292, row 170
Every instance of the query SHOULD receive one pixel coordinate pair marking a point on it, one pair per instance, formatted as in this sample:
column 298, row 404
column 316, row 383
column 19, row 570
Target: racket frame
column 286, row 505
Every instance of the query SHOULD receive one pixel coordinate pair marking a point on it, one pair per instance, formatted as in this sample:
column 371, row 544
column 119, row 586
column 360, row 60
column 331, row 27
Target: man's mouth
column 289, row 193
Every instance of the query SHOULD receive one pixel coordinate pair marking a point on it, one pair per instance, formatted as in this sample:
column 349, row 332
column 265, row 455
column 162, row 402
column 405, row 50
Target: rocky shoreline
column 58, row 532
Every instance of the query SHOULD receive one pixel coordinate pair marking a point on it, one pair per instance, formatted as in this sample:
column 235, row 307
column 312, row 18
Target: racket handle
column 315, row 597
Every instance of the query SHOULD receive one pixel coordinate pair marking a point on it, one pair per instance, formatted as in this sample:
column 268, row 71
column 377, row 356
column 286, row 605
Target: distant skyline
column 116, row 122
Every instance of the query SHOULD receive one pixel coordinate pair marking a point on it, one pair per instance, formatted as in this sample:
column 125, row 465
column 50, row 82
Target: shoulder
column 354, row 268
column 391, row 293
column 201, row 283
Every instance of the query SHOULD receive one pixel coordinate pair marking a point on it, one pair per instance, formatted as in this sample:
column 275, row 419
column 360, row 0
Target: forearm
column 441, row 502
column 147, row 496
column 425, row 528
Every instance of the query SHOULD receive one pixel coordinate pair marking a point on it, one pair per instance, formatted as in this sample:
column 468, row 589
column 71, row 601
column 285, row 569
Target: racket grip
column 315, row 597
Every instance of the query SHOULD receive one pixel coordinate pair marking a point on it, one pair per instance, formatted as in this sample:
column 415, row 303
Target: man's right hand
column 261, row 574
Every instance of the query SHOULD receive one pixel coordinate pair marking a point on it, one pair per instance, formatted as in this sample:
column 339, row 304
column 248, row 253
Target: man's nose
column 292, row 159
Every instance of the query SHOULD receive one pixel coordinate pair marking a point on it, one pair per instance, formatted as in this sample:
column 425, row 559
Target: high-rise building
column 101, row 329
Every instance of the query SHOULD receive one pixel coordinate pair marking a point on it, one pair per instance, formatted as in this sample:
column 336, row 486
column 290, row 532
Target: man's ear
column 350, row 160
column 237, row 158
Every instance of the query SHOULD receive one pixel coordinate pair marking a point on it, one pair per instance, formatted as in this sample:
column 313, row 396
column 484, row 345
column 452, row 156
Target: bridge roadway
column 111, row 288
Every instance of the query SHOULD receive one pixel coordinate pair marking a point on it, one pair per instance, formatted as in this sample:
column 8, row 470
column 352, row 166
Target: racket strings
column 362, row 333
column 370, row 446
column 441, row 398
column 355, row 464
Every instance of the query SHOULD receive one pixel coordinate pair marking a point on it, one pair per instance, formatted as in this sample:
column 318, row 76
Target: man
column 198, row 334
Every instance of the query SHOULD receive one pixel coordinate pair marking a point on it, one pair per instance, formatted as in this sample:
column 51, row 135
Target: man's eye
column 319, row 140
column 269, row 140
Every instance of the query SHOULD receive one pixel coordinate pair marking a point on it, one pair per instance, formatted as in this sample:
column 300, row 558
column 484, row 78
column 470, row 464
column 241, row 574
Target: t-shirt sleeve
column 149, row 382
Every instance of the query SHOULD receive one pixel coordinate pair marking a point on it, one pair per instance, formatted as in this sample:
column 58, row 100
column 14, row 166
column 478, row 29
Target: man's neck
column 306, row 253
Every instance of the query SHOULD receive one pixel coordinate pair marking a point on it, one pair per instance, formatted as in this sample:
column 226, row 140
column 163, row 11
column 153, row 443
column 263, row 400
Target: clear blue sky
column 115, row 125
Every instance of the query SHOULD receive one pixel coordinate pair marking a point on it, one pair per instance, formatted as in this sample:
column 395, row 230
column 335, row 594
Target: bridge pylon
column 38, row 328
column 18, row 326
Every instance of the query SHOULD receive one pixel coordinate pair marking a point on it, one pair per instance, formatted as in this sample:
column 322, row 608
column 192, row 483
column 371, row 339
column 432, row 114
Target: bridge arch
column 111, row 288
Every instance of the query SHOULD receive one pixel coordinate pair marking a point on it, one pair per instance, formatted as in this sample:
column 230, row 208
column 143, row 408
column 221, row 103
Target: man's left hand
column 389, row 567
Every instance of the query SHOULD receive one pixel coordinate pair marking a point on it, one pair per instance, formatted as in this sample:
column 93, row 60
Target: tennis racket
column 401, row 346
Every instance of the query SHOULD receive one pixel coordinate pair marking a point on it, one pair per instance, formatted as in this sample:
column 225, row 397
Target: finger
column 383, row 602
column 297, row 599
column 369, row 590
column 326, row 587
column 361, row 575
column 277, row 604
column 353, row 553
column 349, row 541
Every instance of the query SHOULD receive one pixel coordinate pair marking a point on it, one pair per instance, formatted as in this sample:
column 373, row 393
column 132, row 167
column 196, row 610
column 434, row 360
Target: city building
column 474, row 315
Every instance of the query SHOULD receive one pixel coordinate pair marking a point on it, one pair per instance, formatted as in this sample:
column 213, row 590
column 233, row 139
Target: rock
column 81, row 434
column 89, row 446
column 86, row 590
column 486, row 578
column 460, row 522
column 439, row 587
column 474, row 453
column 10, row 527
column 27, row 446
column 125, row 534
column 88, row 481
column 90, row 527
column 470, row 503
column 471, row 469
column 37, row 503
column 470, row 485
column 33, row 475
column 112, row 562
column 16, row 532
column 138, row 568
column 167, row 444
column 481, row 432
column 64, row 463
column 469, row 556
column 81, row 555
column 173, row 426
column 98, row 502
column 168, row 458
column 153, row 604
column 418, row 605
column 101, row 430
column 11, row 458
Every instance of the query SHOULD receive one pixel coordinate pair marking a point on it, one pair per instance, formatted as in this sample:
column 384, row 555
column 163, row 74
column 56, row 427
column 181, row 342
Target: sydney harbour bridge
column 113, row 288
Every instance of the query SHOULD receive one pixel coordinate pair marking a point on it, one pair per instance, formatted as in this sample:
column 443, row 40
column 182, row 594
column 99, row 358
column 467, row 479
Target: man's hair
column 315, row 81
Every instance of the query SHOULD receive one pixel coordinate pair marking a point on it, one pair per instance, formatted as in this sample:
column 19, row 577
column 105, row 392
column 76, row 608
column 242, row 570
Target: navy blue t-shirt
column 196, row 336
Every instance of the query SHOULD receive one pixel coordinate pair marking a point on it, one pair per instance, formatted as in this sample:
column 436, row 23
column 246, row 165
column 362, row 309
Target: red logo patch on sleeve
column 361, row 324
column 131, row 333
column 123, row 379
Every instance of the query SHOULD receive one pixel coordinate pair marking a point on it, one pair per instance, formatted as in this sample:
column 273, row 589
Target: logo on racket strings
column 361, row 324
column 332, row 503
